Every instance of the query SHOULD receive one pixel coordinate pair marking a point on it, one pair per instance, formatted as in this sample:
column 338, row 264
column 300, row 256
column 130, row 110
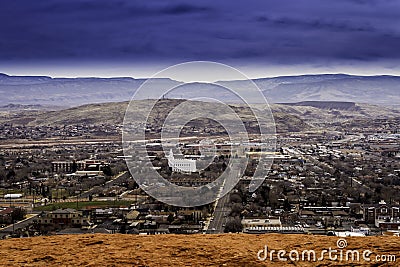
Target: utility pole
column 10, row 197
column 77, row 199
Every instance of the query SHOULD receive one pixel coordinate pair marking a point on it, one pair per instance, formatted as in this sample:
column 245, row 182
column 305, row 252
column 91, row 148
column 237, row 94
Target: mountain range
column 69, row 92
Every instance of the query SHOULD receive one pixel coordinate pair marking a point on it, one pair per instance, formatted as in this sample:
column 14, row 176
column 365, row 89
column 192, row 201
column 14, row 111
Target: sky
column 263, row 38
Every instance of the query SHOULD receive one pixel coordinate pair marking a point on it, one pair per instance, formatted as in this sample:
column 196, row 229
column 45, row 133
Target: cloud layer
column 281, row 32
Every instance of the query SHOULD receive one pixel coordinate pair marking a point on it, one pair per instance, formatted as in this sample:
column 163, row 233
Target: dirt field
column 186, row 250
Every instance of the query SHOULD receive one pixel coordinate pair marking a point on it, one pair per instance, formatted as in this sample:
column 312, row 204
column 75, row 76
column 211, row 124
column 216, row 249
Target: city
column 199, row 133
column 333, row 179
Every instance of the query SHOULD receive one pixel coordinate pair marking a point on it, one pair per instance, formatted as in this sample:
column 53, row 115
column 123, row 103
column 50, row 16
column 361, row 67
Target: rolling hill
column 113, row 114
column 292, row 117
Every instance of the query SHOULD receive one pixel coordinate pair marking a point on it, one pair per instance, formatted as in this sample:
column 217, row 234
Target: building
column 60, row 219
column 181, row 164
column 263, row 222
column 382, row 215
column 62, row 166
column 268, row 225
column 6, row 215
column 81, row 165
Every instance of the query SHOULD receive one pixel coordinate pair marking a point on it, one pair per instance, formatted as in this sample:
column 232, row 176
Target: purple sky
column 136, row 38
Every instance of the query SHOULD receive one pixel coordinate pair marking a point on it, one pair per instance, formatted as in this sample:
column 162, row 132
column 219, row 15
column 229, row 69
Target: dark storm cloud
column 183, row 9
column 264, row 30
column 316, row 24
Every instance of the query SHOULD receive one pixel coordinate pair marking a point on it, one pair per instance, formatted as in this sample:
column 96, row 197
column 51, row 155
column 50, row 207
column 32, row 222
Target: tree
column 235, row 198
column 107, row 170
column 170, row 218
column 273, row 199
column 286, row 205
column 309, row 182
column 236, row 209
column 10, row 174
column 74, row 166
column 233, row 226
column 122, row 230
column 18, row 214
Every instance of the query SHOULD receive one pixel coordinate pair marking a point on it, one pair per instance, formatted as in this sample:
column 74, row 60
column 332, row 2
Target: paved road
column 221, row 208
column 23, row 143
column 220, row 216
column 18, row 225
column 110, row 183
column 14, row 202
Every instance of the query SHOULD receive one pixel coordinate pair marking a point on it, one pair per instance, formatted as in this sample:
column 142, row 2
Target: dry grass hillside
column 288, row 117
column 113, row 114
column 182, row 250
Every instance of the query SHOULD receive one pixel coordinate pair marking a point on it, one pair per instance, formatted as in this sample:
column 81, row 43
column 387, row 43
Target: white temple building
column 181, row 164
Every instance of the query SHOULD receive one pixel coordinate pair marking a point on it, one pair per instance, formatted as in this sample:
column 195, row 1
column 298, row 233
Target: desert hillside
column 113, row 114
column 293, row 117
column 183, row 250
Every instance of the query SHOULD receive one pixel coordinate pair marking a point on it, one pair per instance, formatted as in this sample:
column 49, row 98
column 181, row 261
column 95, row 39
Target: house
column 6, row 215
column 190, row 215
column 382, row 215
column 132, row 215
column 99, row 215
column 60, row 219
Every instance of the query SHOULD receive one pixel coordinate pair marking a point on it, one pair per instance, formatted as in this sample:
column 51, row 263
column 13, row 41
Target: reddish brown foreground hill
column 187, row 250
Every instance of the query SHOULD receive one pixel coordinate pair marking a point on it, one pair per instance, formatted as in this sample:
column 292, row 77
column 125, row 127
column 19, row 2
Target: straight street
column 219, row 217
column 112, row 182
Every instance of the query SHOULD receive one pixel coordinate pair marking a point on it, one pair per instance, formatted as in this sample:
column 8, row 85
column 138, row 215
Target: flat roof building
column 181, row 165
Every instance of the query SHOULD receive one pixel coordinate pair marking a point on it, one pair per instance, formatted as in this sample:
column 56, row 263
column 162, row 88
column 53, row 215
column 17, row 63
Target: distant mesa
column 18, row 106
column 339, row 105
column 29, row 107
column 30, row 90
